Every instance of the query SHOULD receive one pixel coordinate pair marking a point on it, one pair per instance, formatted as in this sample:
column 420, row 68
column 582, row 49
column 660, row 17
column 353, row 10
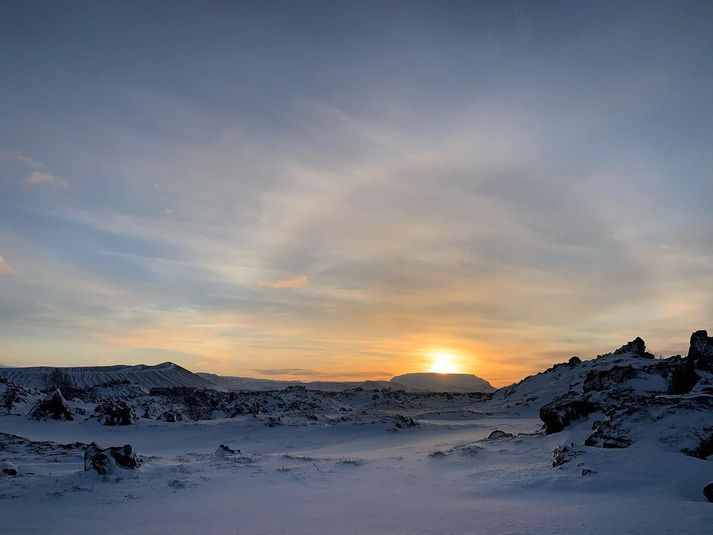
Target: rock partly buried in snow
column 115, row 412
column 708, row 492
column 559, row 413
column 497, row 435
column 52, row 406
column 442, row 382
column 225, row 450
column 701, row 350
column 8, row 469
column 105, row 460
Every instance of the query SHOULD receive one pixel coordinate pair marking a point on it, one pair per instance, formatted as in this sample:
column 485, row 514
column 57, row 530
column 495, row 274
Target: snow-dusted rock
column 105, row 460
column 52, row 406
column 708, row 492
column 8, row 469
column 115, row 412
column 498, row 434
column 559, row 413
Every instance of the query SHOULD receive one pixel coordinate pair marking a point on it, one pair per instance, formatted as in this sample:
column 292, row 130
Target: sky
column 352, row 190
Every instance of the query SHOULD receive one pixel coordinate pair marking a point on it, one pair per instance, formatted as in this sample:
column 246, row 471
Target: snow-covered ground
column 368, row 462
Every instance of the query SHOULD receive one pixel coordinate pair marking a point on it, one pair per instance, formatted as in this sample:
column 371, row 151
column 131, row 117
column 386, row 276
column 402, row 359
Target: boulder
column 8, row 469
column 105, row 460
column 54, row 406
column 497, row 434
column 171, row 416
column 225, row 450
column 637, row 347
column 708, row 492
column 559, row 413
column 115, row 412
column 701, row 350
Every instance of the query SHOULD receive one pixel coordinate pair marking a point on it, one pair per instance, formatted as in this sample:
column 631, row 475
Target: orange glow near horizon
column 443, row 362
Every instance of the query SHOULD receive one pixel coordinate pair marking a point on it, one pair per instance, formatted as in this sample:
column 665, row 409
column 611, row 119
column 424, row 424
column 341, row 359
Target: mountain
column 441, row 382
column 231, row 383
column 166, row 374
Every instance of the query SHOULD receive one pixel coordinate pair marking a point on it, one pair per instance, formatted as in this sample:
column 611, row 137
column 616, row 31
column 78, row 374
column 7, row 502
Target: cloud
column 5, row 268
column 290, row 282
column 19, row 157
column 288, row 371
column 37, row 177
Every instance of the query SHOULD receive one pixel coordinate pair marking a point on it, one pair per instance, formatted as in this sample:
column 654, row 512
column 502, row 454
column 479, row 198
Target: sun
column 443, row 363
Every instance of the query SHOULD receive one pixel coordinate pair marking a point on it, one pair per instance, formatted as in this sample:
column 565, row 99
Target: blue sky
column 343, row 189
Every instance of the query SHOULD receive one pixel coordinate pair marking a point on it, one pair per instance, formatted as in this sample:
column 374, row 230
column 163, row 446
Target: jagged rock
column 404, row 422
column 52, row 406
column 559, row 413
column 683, row 377
column 497, row 434
column 574, row 361
column 105, row 460
column 563, row 454
column 708, row 492
column 8, row 469
column 637, row 347
column 115, row 412
column 274, row 421
column 600, row 380
column 225, row 450
column 171, row 416
column 701, row 350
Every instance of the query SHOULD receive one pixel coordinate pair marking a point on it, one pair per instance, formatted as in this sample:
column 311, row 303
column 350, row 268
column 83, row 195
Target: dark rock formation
column 559, row 413
column 612, row 378
column 637, row 347
column 708, row 492
column 701, row 350
column 115, row 412
column 225, row 450
column 105, row 460
column 52, row 406
column 171, row 416
column 497, row 434
column 563, row 454
column 8, row 469
column 574, row 361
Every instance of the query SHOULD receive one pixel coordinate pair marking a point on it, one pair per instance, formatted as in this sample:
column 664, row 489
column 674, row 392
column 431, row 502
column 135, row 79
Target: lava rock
column 8, row 469
column 497, row 434
column 225, row 450
column 105, row 460
column 637, row 347
column 115, row 412
column 559, row 413
column 171, row 416
column 708, row 492
column 52, row 406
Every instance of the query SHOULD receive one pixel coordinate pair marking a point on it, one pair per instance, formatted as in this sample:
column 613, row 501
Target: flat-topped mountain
column 442, row 382
column 166, row 374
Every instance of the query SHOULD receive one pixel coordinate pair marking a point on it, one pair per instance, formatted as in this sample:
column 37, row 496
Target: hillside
column 166, row 374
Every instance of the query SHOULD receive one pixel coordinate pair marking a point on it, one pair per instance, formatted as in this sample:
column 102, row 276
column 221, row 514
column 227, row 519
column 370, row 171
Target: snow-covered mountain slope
column 236, row 384
column 166, row 374
column 442, row 382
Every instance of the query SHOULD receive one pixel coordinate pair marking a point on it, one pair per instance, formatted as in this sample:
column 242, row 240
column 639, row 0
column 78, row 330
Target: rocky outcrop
column 636, row 347
column 105, row 460
column 497, row 435
column 708, row 492
column 8, row 469
column 115, row 412
column 559, row 413
column 700, row 350
column 53, row 406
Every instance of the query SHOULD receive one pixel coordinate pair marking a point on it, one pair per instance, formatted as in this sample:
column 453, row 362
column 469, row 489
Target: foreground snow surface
column 442, row 477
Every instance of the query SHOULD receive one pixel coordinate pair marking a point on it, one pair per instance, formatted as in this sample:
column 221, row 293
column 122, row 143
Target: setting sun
column 443, row 363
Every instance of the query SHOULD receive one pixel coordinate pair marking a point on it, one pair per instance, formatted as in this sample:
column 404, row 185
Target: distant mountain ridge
column 170, row 375
column 166, row 374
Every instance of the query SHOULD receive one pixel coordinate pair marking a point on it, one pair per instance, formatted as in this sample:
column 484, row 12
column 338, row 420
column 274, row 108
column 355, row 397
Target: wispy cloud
column 13, row 156
column 37, row 177
column 5, row 268
column 290, row 282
